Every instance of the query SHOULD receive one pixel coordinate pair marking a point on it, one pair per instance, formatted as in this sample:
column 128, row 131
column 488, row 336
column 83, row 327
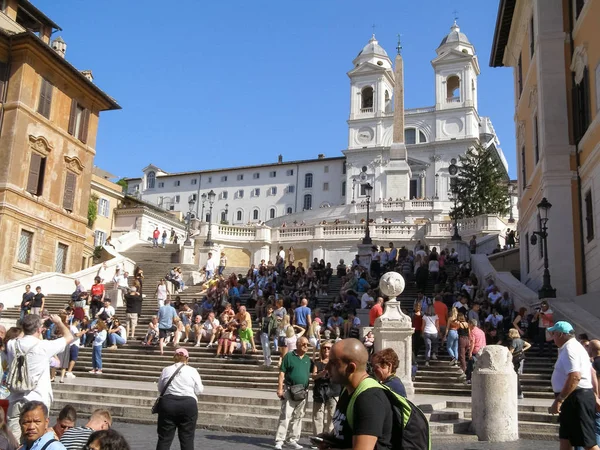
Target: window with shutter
column 45, row 100
column 69, row 194
column 3, row 78
column 35, row 179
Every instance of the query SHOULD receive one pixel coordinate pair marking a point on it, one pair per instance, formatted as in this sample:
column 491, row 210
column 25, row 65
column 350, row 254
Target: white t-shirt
column 572, row 357
column 123, row 332
column 161, row 292
column 364, row 299
column 210, row 265
column 429, row 322
column 186, row 383
column 494, row 297
column 210, row 326
column 74, row 331
column 434, row 266
column 38, row 362
column 282, row 254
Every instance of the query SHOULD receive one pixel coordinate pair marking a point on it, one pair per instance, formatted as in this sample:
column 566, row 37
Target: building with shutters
column 48, row 125
column 553, row 47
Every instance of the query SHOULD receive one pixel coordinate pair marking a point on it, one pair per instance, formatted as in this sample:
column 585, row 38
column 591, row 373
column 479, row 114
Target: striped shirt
column 76, row 438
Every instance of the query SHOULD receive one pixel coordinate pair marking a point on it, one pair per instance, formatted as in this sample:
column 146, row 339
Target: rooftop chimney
column 320, row 156
column 280, row 159
column 59, row 46
column 88, row 74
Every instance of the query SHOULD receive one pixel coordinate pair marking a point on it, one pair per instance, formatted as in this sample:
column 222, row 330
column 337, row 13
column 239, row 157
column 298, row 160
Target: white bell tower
column 456, row 71
column 371, row 90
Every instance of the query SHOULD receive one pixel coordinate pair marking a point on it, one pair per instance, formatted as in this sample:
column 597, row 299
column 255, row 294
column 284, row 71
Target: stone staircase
column 240, row 391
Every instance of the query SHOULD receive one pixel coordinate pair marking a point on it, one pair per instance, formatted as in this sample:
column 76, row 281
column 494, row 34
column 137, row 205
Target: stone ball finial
column 392, row 284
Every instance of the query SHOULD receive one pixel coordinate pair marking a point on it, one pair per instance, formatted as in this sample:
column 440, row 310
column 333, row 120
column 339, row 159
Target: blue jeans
column 154, row 242
column 431, row 344
column 266, row 347
column 221, row 269
column 452, row 343
column 164, row 240
column 97, row 357
column 114, row 339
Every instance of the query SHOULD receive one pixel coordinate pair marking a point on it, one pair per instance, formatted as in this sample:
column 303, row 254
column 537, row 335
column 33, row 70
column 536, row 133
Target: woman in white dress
column 161, row 292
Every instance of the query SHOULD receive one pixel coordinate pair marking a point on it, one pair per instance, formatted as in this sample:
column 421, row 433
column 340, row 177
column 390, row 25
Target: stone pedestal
column 116, row 297
column 187, row 254
column 203, row 255
column 364, row 255
column 363, row 316
column 394, row 328
column 494, row 405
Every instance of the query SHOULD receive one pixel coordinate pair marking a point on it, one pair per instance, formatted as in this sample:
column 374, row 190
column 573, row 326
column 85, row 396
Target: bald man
column 373, row 416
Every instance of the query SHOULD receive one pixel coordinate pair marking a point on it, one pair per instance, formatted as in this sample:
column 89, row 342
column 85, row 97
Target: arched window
column 422, row 138
column 366, row 99
column 289, row 210
column 255, row 214
column 238, row 216
column 307, row 202
column 453, row 89
column 150, row 180
column 272, row 213
column 410, row 136
column 308, row 180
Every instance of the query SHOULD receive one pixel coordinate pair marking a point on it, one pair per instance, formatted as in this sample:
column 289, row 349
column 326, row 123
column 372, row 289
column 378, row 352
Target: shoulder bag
column 157, row 402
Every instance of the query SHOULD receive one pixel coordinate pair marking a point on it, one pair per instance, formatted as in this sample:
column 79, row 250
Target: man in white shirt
column 367, row 300
column 210, row 266
column 495, row 295
column 104, row 273
column 572, row 384
column 122, row 282
column 38, row 353
column 106, row 311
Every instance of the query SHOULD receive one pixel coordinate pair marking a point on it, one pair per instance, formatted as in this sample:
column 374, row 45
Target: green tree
column 92, row 210
column 481, row 185
column 123, row 183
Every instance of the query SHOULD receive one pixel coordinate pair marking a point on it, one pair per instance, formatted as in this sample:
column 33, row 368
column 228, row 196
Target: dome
column 373, row 48
column 455, row 36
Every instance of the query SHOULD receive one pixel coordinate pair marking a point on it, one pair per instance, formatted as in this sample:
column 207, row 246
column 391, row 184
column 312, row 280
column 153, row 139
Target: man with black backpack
column 28, row 366
column 369, row 416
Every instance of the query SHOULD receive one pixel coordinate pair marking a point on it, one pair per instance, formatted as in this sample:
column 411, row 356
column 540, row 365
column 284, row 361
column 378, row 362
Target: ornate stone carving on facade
column 579, row 62
column 74, row 164
column 533, row 97
column 40, row 144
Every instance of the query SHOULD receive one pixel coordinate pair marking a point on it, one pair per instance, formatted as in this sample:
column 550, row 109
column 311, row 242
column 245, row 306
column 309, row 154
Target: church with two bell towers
column 401, row 157
column 404, row 154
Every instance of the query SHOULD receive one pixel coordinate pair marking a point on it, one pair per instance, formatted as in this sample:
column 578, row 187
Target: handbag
column 298, row 392
column 157, row 401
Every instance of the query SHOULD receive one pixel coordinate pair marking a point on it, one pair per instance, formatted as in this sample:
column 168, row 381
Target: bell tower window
column 453, row 89
column 366, row 100
column 388, row 102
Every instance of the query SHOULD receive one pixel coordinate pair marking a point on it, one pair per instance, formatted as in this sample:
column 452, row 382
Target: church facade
column 404, row 155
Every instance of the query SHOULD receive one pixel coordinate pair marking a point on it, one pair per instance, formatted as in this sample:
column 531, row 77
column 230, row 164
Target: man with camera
column 292, row 388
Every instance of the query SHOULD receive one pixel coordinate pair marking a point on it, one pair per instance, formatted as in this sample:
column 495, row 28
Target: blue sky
column 219, row 84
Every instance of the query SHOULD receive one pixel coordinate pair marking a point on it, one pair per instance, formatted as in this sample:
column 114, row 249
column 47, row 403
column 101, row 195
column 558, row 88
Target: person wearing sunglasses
column 67, row 418
column 325, row 393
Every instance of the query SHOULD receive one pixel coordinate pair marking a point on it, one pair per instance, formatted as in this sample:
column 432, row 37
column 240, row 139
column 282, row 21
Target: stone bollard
column 394, row 329
column 494, row 405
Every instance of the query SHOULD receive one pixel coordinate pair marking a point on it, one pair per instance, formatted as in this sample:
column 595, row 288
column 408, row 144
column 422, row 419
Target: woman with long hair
column 463, row 341
column 138, row 275
column 99, row 338
column 451, row 337
column 178, row 406
column 431, row 331
column 98, row 293
column 324, row 393
column 517, row 347
column 385, row 364
column 7, row 439
column 282, row 329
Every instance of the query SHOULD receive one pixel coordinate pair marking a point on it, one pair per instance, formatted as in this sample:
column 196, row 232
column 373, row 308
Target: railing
column 366, row 110
column 396, row 229
column 420, row 204
column 343, row 230
column 453, row 100
column 233, row 231
column 397, row 204
column 292, row 233
column 419, row 110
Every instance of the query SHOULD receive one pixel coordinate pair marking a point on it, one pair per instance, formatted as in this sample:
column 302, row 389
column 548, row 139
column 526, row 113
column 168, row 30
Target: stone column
column 187, row 254
column 494, row 405
column 364, row 255
column 394, row 328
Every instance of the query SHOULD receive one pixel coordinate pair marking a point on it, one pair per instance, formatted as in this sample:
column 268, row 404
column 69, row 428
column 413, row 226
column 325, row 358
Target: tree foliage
column 481, row 186
column 92, row 210
column 123, row 183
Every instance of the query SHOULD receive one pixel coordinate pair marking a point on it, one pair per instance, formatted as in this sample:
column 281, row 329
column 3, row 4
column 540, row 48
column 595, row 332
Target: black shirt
column 134, row 303
column 27, row 297
column 596, row 365
column 37, row 300
column 373, row 416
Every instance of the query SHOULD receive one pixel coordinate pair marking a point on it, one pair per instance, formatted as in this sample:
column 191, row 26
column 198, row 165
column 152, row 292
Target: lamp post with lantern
column 188, row 224
column 368, row 191
column 211, row 199
column 546, row 291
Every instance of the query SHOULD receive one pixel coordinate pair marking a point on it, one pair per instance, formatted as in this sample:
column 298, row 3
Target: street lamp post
column 211, row 199
column 203, row 197
column 546, row 291
column 354, row 182
column 368, row 191
column 188, row 225
column 511, row 219
column 455, row 236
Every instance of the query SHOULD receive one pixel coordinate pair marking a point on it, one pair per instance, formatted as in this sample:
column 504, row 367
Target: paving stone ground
column 144, row 437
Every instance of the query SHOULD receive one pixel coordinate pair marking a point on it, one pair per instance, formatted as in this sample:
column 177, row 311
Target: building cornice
column 145, row 210
column 504, row 20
